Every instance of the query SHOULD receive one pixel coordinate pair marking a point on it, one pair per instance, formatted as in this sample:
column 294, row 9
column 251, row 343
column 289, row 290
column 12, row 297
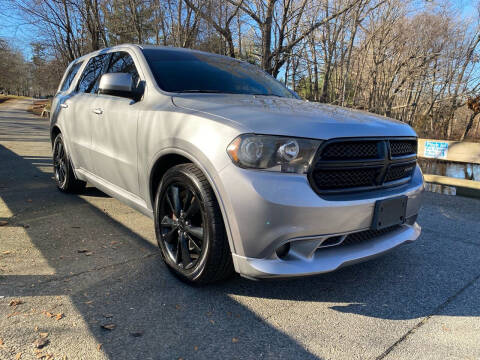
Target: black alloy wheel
column 60, row 163
column 189, row 227
column 62, row 168
column 182, row 230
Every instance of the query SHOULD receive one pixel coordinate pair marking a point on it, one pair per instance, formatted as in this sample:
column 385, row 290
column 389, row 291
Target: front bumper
column 266, row 210
column 325, row 260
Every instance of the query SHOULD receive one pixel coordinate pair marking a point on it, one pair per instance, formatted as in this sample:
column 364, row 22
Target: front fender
column 184, row 149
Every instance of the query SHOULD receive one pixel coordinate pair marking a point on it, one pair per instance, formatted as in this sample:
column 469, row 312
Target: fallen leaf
column 40, row 355
column 18, row 356
column 41, row 343
column 15, row 302
column 99, row 346
column 43, row 334
column 56, row 316
column 234, row 340
column 109, row 326
column 6, row 252
column 136, row 333
column 3, row 222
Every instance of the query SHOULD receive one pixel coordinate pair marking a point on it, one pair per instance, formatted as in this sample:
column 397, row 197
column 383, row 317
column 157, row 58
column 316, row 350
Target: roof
column 146, row 46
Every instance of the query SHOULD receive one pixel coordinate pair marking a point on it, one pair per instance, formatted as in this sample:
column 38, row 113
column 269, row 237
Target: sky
column 20, row 34
column 15, row 30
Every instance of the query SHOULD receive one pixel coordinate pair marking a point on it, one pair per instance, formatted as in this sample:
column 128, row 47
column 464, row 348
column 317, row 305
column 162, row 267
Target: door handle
column 64, row 105
column 98, row 111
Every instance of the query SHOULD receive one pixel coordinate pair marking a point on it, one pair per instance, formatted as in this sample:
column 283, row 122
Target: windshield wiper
column 206, row 91
column 268, row 95
column 202, row 91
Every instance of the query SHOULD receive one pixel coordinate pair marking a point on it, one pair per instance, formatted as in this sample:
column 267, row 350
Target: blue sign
column 436, row 149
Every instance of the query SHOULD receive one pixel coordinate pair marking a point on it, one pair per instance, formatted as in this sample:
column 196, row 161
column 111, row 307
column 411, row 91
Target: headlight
column 273, row 153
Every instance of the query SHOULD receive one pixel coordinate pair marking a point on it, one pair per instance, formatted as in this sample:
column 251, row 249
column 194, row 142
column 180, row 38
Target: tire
column 189, row 227
column 62, row 169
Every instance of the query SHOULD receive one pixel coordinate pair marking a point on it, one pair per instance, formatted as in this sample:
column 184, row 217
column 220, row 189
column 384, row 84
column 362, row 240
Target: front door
column 80, row 125
column 114, row 139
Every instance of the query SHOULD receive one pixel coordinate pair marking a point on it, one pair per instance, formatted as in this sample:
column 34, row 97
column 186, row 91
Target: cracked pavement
column 95, row 261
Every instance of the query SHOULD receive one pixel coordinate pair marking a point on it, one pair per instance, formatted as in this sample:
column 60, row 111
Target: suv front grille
column 403, row 147
column 350, row 150
column 397, row 172
column 362, row 164
column 345, row 178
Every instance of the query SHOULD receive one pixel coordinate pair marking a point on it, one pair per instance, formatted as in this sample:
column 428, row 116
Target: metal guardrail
column 463, row 152
column 459, row 151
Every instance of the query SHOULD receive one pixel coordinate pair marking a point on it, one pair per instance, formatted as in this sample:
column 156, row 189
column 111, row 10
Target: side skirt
column 126, row 197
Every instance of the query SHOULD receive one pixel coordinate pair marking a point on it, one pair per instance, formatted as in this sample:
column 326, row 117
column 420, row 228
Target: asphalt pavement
column 82, row 276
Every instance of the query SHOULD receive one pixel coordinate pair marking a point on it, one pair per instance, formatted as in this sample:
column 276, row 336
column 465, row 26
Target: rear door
column 82, row 105
column 114, row 141
column 60, row 113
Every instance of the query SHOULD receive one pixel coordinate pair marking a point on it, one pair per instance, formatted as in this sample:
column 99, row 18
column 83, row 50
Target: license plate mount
column 389, row 212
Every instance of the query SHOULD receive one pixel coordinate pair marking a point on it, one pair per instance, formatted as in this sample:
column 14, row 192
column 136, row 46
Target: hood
column 292, row 117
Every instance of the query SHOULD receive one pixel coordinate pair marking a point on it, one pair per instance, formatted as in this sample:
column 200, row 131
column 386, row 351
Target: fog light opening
column 283, row 250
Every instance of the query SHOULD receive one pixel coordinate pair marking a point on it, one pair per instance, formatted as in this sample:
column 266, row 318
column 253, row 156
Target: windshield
column 184, row 71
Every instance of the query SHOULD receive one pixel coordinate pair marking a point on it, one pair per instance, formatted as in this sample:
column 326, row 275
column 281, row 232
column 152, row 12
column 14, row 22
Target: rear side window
column 91, row 74
column 122, row 62
column 70, row 76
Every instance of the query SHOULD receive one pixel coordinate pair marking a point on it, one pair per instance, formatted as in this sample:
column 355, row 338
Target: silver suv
column 238, row 173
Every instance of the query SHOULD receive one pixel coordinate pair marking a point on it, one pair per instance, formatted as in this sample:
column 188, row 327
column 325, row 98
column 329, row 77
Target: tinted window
column 70, row 76
column 91, row 74
column 122, row 62
column 182, row 71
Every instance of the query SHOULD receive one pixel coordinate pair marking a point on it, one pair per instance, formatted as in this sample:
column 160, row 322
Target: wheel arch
column 54, row 131
column 160, row 167
column 173, row 157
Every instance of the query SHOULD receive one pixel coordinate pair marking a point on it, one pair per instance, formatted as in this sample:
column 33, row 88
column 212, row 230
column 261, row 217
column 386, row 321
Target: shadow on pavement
column 129, row 283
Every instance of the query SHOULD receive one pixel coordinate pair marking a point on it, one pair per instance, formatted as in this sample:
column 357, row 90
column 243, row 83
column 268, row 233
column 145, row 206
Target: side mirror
column 117, row 84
